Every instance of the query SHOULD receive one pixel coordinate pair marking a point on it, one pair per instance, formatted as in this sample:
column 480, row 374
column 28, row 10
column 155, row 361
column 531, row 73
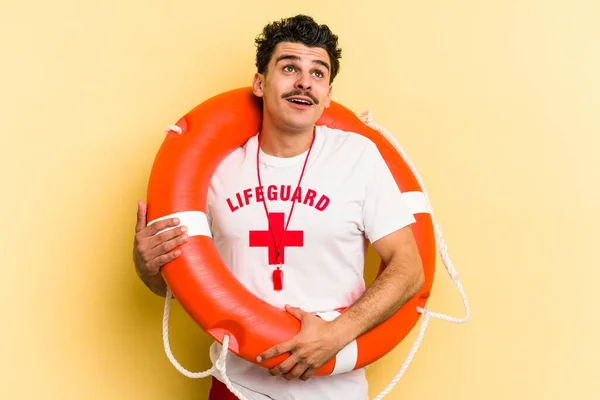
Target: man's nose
column 303, row 82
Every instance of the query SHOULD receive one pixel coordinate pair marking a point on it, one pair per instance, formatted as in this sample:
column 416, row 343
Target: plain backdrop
column 497, row 103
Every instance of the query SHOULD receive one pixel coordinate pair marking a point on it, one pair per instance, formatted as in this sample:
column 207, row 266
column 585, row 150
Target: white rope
column 175, row 129
column 409, row 358
column 367, row 119
column 220, row 365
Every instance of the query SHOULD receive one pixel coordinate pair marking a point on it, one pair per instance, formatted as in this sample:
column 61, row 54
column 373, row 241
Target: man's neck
column 284, row 144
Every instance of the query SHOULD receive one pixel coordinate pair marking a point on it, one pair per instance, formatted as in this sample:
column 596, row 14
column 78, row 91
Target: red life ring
column 199, row 279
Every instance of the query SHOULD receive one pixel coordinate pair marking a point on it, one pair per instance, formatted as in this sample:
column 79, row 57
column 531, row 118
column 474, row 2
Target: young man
column 302, row 241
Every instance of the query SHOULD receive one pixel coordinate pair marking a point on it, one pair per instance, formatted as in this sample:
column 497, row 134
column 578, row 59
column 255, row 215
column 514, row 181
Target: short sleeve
column 209, row 206
column 384, row 209
column 209, row 217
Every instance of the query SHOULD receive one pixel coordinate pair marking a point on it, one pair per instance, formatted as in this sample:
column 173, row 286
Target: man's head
column 297, row 60
column 299, row 29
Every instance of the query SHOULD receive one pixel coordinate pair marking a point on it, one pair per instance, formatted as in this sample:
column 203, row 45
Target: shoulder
column 348, row 143
column 234, row 160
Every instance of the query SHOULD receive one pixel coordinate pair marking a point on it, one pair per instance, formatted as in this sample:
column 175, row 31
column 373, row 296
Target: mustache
column 299, row 92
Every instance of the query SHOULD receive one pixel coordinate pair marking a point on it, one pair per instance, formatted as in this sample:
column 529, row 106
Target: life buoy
column 199, row 279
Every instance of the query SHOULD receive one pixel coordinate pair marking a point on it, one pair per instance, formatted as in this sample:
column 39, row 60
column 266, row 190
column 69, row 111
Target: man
column 300, row 244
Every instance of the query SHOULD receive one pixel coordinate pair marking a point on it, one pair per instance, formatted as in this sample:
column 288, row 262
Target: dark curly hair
column 299, row 29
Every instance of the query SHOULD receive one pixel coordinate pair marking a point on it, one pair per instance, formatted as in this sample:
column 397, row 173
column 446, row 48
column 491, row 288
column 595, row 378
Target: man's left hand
column 315, row 344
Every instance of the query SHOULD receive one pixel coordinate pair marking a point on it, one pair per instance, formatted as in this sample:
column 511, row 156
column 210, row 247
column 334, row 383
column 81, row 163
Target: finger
column 298, row 370
column 167, row 236
column 156, row 227
column 165, row 247
column 276, row 350
column 298, row 313
column 308, row 374
column 285, row 367
column 141, row 216
column 160, row 261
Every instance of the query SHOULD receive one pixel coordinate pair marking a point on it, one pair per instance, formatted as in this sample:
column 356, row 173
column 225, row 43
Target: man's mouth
column 301, row 98
column 302, row 101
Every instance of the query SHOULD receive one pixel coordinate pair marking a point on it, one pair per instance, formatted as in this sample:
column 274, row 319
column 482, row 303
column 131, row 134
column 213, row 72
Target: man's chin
column 299, row 125
column 301, row 122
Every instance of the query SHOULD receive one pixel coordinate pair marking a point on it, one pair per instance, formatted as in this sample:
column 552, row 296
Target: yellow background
column 497, row 103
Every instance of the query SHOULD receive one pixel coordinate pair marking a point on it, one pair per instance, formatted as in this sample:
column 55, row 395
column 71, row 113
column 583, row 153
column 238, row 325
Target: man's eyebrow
column 297, row 58
column 323, row 63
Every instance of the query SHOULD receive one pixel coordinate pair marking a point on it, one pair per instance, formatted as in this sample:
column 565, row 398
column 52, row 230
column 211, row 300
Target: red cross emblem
column 265, row 238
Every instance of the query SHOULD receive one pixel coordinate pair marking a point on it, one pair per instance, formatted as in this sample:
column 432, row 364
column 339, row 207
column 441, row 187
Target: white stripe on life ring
column 417, row 202
column 345, row 360
column 195, row 222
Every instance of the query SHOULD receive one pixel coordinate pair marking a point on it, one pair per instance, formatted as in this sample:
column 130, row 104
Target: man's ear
column 257, row 84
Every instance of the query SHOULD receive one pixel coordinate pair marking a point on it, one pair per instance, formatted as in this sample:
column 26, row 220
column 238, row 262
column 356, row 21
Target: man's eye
column 318, row 74
column 288, row 68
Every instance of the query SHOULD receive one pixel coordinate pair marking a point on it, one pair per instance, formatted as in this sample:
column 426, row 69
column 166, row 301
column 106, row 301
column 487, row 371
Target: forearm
column 155, row 283
column 400, row 281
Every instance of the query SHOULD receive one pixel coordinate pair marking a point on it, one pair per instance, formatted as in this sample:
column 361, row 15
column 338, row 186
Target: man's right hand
column 152, row 251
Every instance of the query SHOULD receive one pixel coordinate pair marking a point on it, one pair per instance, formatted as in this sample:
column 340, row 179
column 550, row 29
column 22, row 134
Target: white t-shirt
column 347, row 196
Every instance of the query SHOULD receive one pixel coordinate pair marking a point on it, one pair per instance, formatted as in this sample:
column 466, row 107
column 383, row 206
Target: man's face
column 295, row 88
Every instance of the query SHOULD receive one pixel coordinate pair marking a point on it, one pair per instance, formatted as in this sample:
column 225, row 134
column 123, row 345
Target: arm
column 387, row 224
column 399, row 282
column 154, row 282
column 152, row 251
